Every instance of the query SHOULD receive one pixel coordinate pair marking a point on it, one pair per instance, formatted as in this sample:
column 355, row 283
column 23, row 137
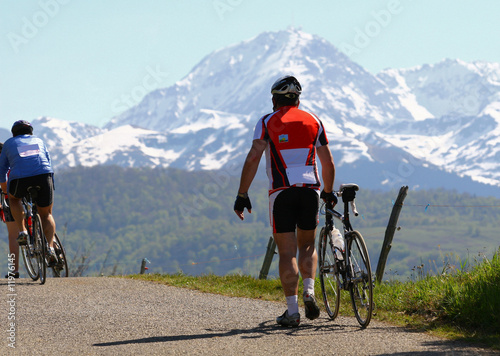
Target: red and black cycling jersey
column 292, row 136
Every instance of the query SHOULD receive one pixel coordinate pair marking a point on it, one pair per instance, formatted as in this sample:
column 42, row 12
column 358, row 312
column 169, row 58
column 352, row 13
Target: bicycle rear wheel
column 29, row 253
column 61, row 267
column 40, row 244
column 361, row 286
column 328, row 274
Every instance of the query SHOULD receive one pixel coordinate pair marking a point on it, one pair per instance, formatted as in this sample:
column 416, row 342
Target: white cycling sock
column 309, row 285
column 293, row 304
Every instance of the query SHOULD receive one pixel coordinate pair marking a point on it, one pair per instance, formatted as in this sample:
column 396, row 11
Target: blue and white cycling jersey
column 25, row 156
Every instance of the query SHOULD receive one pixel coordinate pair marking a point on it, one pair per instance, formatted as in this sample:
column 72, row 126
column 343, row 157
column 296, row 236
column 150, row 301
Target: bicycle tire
column 40, row 247
column 361, row 286
column 328, row 274
column 61, row 267
column 30, row 255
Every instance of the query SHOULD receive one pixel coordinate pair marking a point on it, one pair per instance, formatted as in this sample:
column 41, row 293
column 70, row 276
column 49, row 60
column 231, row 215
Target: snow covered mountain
column 429, row 126
column 461, row 132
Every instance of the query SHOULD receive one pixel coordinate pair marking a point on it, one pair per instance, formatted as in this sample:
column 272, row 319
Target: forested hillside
column 111, row 218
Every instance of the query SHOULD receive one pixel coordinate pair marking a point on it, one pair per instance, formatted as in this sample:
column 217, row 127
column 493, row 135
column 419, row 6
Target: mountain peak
column 237, row 79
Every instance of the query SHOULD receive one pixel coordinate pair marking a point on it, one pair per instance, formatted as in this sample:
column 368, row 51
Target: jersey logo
column 283, row 138
column 28, row 150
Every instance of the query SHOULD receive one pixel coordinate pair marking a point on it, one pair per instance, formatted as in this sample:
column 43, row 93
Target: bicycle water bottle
column 338, row 243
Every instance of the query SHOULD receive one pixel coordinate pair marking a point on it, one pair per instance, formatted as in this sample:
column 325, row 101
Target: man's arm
column 249, row 170
column 251, row 165
column 4, row 168
column 327, row 167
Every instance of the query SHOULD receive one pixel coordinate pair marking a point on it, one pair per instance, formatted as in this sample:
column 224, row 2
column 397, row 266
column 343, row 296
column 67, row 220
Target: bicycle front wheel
column 40, row 247
column 361, row 286
column 328, row 274
column 61, row 267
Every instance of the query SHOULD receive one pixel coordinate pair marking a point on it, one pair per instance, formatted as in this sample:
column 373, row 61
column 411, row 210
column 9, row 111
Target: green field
column 111, row 218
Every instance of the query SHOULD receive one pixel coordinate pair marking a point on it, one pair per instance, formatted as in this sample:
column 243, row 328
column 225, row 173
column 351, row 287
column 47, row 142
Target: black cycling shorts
column 295, row 207
column 19, row 188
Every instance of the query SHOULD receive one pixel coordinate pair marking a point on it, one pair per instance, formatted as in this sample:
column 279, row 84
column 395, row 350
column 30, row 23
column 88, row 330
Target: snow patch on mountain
column 450, row 87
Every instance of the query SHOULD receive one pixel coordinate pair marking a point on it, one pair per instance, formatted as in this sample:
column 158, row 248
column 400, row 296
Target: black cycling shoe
column 22, row 239
column 51, row 258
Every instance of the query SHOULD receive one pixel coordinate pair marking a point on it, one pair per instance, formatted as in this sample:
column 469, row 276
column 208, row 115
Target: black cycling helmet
column 288, row 86
column 21, row 127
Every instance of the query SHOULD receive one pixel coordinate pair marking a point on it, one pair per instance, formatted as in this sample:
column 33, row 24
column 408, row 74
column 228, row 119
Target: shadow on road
column 322, row 326
column 263, row 329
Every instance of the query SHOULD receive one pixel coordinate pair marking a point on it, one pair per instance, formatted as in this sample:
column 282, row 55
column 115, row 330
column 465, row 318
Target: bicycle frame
column 30, row 208
column 344, row 218
column 347, row 227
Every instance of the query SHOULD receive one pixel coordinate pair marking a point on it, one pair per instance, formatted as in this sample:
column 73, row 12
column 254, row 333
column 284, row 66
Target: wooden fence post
column 389, row 233
column 268, row 259
column 143, row 266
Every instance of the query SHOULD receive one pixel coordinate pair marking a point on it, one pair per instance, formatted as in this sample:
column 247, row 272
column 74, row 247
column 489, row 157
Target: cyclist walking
column 291, row 139
column 29, row 162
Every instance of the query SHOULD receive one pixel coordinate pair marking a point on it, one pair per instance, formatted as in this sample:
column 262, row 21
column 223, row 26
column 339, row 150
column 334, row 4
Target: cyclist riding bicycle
column 291, row 139
column 29, row 162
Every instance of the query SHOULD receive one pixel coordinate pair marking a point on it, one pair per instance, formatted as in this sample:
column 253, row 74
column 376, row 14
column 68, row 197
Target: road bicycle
column 35, row 251
column 348, row 269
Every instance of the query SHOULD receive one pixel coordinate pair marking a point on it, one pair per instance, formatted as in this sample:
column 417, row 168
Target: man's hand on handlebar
column 329, row 197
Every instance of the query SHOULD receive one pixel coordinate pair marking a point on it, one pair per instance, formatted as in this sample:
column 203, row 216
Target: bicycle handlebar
column 353, row 208
column 351, row 188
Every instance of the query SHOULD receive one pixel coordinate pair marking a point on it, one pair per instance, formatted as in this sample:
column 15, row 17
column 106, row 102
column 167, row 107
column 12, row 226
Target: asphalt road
column 115, row 316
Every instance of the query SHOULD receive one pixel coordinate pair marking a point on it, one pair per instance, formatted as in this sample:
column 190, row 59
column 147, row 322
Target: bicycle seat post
column 347, row 221
column 33, row 192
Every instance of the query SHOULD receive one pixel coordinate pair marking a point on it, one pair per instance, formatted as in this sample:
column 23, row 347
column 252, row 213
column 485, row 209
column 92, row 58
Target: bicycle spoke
column 361, row 286
column 30, row 257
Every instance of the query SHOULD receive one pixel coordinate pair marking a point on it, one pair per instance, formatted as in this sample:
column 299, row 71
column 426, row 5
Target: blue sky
column 87, row 60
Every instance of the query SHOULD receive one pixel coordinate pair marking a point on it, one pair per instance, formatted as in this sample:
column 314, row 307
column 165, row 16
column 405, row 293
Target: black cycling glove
column 329, row 197
column 242, row 202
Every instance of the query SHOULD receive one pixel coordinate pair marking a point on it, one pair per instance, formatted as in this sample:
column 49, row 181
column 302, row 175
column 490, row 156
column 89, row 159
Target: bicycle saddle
column 33, row 191
column 349, row 186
